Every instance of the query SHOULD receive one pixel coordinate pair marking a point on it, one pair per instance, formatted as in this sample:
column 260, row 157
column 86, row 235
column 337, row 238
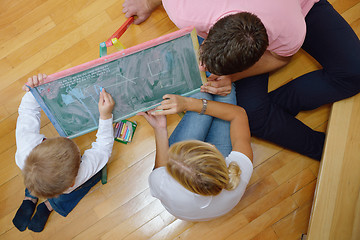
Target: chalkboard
column 136, row 78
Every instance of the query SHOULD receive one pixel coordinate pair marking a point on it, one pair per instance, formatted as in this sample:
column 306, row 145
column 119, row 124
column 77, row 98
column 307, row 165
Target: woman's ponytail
column 234, row 176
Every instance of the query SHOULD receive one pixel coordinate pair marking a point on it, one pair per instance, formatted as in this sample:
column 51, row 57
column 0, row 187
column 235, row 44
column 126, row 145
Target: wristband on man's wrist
column 204, row 106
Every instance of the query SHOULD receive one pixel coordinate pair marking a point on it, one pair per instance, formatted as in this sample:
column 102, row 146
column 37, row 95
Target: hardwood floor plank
column 147, row 230
column 265, row 220
column 16, row 234
column 121, row 190
column 267, row 234
column 119, row 215
column 25, row 16
column 293, row 167
column 9, row 169
column 134, row 222
column 293, row 226
column 31, row 33
column 172, row 230
column 12, row 10
column 305, row 194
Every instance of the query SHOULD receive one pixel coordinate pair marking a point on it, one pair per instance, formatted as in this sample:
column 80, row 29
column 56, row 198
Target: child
column 192, row 179
column 53, row 168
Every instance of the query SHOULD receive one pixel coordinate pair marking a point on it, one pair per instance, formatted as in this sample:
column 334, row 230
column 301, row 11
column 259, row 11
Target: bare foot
column 140, row 8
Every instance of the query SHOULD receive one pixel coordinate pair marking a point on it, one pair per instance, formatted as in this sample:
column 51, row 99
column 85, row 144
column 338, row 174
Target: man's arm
column 267, row 63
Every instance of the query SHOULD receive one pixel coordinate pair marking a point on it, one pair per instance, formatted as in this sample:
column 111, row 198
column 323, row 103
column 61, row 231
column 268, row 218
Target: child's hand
column 172, row 104
column 34, row 81
column 106, row 105
column 157, row 122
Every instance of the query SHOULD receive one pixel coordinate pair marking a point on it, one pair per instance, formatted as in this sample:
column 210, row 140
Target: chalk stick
column 126, row 133
column 123, row 131
column 117, row 130
column 120, row 127
column 129, row 124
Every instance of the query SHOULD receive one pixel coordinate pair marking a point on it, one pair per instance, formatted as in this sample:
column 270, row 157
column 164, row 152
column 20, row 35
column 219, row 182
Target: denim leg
column 192, row 125
column 219, row 132
column 65, row 203
column 332, row 42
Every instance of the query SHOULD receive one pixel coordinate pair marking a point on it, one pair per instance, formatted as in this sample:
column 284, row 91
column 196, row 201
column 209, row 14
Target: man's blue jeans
column 194, row 126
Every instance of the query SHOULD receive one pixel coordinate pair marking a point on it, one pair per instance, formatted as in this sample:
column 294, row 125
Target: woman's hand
column 34, row 81
column 157, row 122
column 172, row 104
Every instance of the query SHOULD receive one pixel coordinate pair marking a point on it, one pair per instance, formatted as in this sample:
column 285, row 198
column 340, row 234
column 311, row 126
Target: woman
column 191, row 178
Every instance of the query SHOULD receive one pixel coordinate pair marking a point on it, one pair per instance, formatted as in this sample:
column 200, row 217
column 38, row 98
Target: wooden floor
column 49, row 36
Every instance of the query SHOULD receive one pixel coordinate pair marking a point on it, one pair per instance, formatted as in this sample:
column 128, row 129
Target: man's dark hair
column 235, row 43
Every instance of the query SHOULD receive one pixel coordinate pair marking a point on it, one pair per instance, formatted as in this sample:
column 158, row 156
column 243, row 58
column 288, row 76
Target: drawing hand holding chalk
column 34, row 81
column 218, row 85
column 106, row 105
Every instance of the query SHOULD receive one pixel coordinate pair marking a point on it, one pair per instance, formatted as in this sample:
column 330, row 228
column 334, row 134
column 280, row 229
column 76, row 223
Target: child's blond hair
column 52, row 167
column 201, row 168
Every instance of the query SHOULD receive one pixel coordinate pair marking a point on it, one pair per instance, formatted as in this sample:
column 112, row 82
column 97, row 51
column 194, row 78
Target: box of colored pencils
column 124, row 131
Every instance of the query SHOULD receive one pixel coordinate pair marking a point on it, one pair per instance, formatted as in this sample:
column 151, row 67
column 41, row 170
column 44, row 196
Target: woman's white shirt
column 190, row 206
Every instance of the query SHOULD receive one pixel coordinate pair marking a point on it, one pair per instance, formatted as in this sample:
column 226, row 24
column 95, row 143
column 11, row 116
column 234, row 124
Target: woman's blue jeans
column 65, row 203
column 194, row 126
column 332, row 42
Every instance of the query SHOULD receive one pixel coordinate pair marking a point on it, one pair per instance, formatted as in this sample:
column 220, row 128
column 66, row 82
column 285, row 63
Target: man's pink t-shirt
column 284, row 20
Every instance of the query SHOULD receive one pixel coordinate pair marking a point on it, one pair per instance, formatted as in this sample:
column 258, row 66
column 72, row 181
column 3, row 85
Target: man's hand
column 34, row 81
column 106, row 105
column 218, row 85
column 140, row 8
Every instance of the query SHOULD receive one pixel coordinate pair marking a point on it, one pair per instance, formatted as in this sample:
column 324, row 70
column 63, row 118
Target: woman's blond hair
column 201, row 168
column 52, row 167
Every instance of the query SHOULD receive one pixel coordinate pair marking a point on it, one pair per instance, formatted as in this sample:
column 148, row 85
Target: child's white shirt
column 28, row 137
